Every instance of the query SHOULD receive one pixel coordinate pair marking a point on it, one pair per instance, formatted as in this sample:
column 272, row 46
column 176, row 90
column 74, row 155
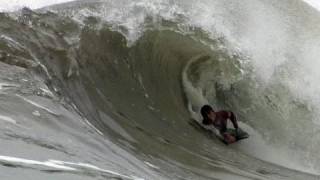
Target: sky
column 11, row 5
column 314, row 3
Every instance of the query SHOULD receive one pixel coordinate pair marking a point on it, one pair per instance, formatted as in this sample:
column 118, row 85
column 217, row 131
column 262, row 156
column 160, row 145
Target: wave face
column 112, row 89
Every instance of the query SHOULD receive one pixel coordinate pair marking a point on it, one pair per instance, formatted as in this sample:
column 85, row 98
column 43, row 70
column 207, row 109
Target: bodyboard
column 240, row 134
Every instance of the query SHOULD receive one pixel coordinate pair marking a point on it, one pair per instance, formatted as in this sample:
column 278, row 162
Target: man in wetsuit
column 219, row 121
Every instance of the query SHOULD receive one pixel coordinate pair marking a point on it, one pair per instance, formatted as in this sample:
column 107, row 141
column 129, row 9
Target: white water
column 257, row 145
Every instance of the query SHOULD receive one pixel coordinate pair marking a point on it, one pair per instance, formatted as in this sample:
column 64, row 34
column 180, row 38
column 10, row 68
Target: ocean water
column 111, row 89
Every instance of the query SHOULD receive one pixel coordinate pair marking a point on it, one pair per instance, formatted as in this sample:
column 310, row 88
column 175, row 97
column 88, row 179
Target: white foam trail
column 47, row 91
column 92, row 126
column 8, row 119
column 115, row 126
column 11, row 42
column 90, row 166
column 33, row 162
column 37, row 105
column 63, row 165
column 151, row 165
column 13, row 5
column 6, row 85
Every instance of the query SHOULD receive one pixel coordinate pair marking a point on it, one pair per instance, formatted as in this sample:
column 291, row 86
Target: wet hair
column 205, row 110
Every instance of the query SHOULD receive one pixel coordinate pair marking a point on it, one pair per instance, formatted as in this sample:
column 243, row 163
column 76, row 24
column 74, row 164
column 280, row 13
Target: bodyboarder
column 219, row 121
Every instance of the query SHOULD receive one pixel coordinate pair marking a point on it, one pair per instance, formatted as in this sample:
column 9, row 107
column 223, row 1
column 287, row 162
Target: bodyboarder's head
column 205, row 111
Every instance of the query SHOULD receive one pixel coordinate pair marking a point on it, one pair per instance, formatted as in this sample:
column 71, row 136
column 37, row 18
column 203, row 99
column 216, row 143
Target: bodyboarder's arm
column 233, row 119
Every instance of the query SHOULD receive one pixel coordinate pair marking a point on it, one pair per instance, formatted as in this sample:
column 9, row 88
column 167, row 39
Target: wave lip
column 15, row 5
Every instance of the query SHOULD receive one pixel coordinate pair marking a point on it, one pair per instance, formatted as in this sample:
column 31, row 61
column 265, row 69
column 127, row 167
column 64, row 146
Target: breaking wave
column 138, row 73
